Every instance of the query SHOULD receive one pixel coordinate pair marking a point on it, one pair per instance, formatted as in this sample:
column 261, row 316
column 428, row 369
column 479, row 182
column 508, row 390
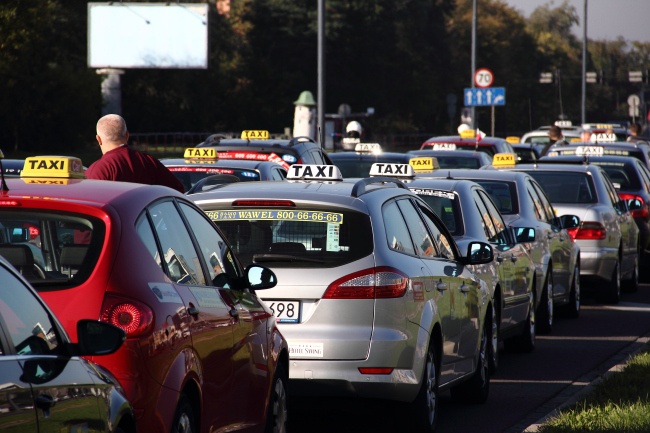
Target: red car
column 203, row 353
column 468, row 141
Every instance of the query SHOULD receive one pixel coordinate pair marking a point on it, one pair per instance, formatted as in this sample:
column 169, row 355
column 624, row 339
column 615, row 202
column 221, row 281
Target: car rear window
column 305, row 238
column 566, row 187
column 458, row 162
column 52, row 250
column 623, row 175
column 189, row 176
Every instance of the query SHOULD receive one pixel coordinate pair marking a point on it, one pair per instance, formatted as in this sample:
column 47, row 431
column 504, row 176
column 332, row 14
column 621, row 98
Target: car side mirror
column 524, row 234
column 260, row 277
column 634, row 204
column 98, row 338
column 479, row 253
column 568, row 221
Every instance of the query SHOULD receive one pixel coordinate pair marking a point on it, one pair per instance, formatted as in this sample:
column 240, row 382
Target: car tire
column 632, row 285
column 276, row 418
column 572, row 309
column 612, row 293
column 493, row 347
column 184, row 421
column 424, row 408
column 526, row 341
column 545, row 307
column 477, row 388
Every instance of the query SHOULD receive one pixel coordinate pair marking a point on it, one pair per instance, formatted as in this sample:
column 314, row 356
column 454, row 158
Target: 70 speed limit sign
column 483, row 77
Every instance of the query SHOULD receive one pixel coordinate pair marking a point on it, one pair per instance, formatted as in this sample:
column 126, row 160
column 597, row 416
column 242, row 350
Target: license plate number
column 285, row 311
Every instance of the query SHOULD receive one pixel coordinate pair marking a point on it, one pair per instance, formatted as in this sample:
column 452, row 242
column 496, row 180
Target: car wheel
column 425, row 406
column 184, row 417
column 612, row 293
column 276, row 418
column 526, row 341
column 545, row 307
column 572, row 309
column 477, row 388
column 493, row 348
column 632, row 285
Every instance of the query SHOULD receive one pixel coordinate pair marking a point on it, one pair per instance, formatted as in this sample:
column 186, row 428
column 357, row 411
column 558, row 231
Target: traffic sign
column 483, row 77
column 481, row 97
column 633, row 101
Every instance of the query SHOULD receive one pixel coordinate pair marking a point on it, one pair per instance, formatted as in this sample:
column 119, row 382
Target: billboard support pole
column 111, row 90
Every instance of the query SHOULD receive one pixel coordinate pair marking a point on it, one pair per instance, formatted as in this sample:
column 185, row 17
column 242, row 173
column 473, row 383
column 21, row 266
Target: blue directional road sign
column 484, row 96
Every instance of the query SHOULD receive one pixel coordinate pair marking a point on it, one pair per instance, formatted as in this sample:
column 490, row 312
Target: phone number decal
column 279, row 215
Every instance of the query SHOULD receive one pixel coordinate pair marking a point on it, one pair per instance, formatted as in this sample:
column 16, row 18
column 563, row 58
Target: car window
column 566, row 187
column 443, row 244
column 222, row 266
column 496, row 223
column 486, row 221
column 546, row 204
column 503, row 194
column 278, row 174
column 622, row 174
column 446, row 205
column 645, row 176
column 397, row 232
column 611, row 191
column 181, row 259
column 27, row 323
column 424, row 245
column 537, row 205
column 324, row 237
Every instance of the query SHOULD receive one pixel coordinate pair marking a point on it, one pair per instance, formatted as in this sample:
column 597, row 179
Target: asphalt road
column 524, row 389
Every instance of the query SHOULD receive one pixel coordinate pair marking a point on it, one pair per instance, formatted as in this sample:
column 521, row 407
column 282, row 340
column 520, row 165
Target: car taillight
column 637, row 213
column 588, row 230
column 373, row 283
column 134, row 317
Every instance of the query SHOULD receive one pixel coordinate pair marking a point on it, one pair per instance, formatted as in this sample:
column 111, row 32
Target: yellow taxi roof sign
column 504, row 160
column 201, row 153
column 255, row 134
column 68, row 167
column 425, row 164
column 512, row 139
column 468, row 133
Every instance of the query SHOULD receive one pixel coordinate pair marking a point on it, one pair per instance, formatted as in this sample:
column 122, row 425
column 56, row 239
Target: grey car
column 524, row 205
column 373, row 294
column 607, row 235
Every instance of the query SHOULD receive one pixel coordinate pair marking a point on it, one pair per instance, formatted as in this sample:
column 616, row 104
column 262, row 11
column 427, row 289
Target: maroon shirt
column 124, row 164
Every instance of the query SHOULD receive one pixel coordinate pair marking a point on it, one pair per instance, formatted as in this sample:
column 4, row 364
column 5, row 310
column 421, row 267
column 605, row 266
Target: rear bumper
column 597, row 264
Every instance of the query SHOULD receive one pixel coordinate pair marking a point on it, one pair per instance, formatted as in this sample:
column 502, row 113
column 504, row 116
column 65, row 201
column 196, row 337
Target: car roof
column 479, row 174
column 627, row 160
column 455, row 153
column 382, row 156
column 221, row 163
column 457, row 139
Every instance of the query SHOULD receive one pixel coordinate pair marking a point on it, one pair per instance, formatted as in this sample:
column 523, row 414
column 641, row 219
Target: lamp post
column 320, row 131
column 584, row 66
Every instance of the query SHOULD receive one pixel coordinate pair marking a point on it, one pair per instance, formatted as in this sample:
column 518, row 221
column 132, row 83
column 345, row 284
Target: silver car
column 607, row 235
column 373, row 295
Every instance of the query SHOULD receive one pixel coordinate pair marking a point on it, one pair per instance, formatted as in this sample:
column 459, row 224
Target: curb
column 584, row 385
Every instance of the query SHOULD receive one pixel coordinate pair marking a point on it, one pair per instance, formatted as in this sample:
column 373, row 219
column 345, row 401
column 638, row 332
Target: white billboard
column 148, row 35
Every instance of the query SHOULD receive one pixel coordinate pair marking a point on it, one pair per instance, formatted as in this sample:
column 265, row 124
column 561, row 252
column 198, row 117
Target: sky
column 606, row 19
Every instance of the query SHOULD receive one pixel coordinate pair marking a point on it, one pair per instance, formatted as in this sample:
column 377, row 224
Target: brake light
column 637, row 213
column 9, row 203
column 134, row 317
column 588, row 230
column 373, row 283
column 376, row 370
column 271, row 203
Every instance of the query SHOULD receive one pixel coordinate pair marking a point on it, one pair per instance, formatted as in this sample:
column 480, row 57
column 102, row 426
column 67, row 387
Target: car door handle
column 192, row 311
column 499, row 259
column 465, row 288
column 513, row 258
column 233, row 312
column 441, row 286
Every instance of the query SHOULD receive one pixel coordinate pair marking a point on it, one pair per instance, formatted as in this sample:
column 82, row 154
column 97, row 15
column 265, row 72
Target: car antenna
column 449, row 175
column 3, row 187
column 320, row 136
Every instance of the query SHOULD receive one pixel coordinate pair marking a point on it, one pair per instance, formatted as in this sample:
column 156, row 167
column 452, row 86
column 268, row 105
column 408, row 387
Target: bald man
column 121, row 163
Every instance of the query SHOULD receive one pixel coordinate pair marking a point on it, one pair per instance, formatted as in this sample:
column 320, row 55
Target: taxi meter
column 314, row 172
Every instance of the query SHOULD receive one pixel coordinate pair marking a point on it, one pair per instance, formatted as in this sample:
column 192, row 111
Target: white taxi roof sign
column 367, row 148
column 314, row 172
column 443, row 146
column 590, row 150
column 563, row 123
column 201, row 153
column 504, row 160
column 603, row 138
column 68, row 167
column 424, row 164
column 468, row 133
column 255, row 134
column 392, row 170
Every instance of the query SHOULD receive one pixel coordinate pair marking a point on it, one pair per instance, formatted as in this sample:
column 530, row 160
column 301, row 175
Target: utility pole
column 474, row 124
column 584, row 66
column 320, row 130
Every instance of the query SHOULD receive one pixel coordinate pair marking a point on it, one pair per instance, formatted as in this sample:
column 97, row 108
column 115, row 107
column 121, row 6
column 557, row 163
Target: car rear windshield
column 623, row 175
column 305, row 238
column 51, row 250
column 189, row 176
column 458, row 162
column 566, row 187
column 503, row 194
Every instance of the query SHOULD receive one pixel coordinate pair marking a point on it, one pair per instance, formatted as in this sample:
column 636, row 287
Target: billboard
column 148, row 35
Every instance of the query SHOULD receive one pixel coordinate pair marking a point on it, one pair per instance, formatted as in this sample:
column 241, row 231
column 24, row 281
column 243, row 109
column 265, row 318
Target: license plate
column 285, row 311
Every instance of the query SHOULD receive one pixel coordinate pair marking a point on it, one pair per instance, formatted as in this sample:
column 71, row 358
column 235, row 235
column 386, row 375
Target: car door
column 64, row 396
column 211, row 324
column 628, row 227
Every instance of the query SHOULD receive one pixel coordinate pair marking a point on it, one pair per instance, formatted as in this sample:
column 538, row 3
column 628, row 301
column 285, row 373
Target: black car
column 45, row 385
column 257, row 145
column 358, row 163
column 455, row 158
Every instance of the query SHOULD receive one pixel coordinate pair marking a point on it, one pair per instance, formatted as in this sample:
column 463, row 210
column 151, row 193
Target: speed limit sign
column 483, row 77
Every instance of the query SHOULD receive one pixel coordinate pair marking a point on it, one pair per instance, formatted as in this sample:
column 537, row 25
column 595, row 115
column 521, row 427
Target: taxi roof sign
column 201, row 153
column 603, row 138
column 504, row 160
column 590, row 150
column 443, row 146
column 367, row 148
column 68, row 167
column 392, row 169
column 255, row 134
column 512, row 139
column 314, row 172
column 468, row 133
column 424, row 164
